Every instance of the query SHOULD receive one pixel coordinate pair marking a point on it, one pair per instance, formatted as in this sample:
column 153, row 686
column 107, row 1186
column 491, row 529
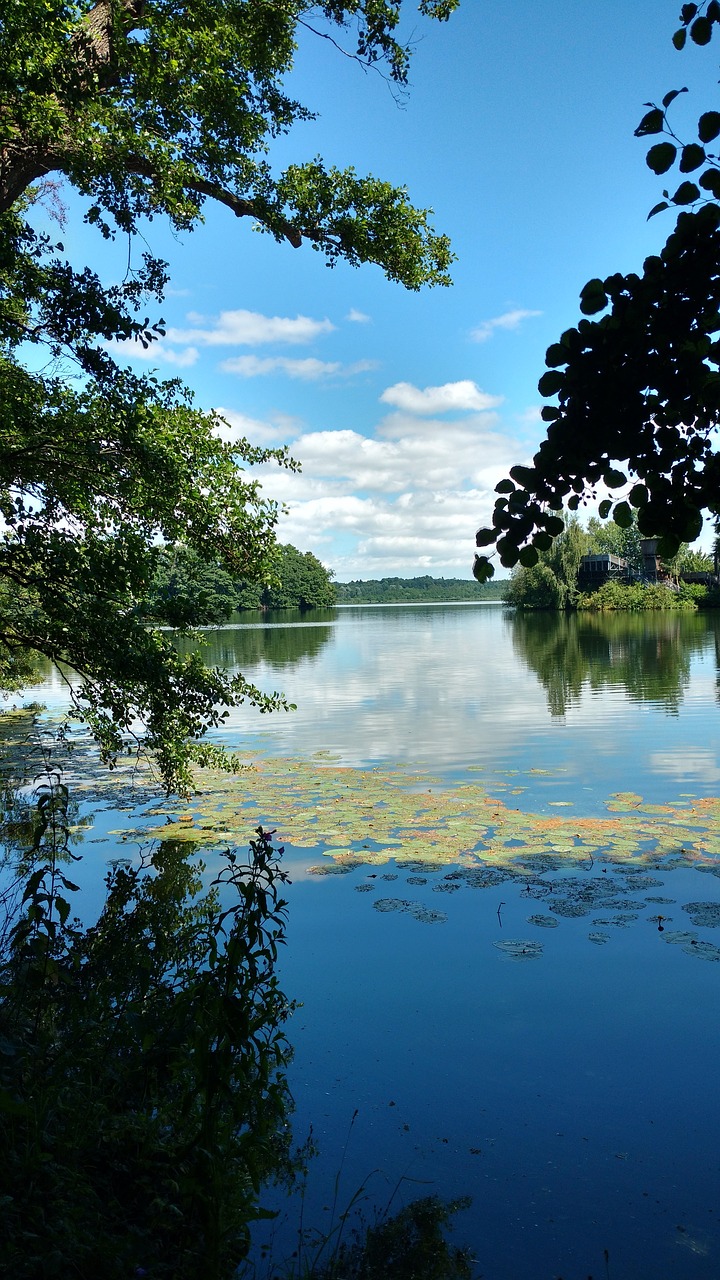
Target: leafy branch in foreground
column 147, row 108
column 637, row 391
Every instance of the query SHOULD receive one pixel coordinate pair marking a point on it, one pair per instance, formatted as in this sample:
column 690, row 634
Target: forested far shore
column 417, row 590
column 188, row 591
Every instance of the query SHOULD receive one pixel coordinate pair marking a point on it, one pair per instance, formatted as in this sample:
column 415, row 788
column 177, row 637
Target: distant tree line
column 416, row 590
column 552, row 583
column 189, row 591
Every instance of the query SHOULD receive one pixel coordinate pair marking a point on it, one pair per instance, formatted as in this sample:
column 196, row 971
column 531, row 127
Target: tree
column 188, row 591
column 148, row 109
column 300, row 582
column 552, row 582
column 639, row 387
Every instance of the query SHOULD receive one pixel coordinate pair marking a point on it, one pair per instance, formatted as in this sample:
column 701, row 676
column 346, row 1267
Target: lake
column 500, row 976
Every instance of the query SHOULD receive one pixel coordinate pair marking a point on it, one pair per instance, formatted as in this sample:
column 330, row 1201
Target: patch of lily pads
column 375, row 815
column 415, row 909
column 398, row 822
column 693, row 946
column 704, row 914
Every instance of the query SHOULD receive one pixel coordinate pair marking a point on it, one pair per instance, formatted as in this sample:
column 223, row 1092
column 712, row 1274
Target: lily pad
column 419, row 912
column 519, row 949
column 544, row 922
column 704, row 950
column 704, row 914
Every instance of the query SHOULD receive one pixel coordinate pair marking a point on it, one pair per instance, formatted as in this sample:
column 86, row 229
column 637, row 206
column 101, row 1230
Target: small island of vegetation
column 189, row 591
column 604, row 566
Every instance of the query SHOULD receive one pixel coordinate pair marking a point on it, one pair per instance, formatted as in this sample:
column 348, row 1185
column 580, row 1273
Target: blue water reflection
column 445, row 687
column 574, row 1095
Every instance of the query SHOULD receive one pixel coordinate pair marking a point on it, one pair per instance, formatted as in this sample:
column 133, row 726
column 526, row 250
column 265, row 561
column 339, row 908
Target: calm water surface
column 573, row 1096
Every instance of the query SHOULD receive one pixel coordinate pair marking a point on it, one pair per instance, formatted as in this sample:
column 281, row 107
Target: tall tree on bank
column 636, row 393
column 298, row 581
column 149, row 109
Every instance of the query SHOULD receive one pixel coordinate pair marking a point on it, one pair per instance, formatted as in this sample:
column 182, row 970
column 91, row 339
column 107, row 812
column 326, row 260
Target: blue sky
column 406, row 409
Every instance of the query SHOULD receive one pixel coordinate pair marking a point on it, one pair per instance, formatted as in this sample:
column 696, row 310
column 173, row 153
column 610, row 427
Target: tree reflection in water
column 646, row 655
column 280, row 639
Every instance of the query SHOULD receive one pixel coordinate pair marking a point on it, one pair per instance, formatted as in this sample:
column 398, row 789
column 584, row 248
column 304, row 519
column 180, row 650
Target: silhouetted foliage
column 636, row 393
column 143, row 1100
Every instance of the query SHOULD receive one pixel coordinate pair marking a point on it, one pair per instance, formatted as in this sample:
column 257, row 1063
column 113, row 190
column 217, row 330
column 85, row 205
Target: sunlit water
column 573, row 1096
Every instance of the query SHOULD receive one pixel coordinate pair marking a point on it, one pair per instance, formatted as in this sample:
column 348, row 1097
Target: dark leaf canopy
column 635, row 386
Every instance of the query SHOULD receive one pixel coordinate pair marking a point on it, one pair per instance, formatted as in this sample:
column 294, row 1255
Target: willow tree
column 634, row 394
column 149, row 108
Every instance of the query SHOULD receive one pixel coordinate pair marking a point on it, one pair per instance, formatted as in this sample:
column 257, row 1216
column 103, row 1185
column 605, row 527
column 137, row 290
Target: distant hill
column 416, row 590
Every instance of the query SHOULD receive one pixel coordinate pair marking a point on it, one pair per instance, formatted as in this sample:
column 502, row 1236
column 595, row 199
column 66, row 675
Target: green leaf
column 528, row 557
column 687, row 193
column 661, row 157
column 671, row 96
column 542, row 540
column 658, row 208
column 623, row 515
column 554, row 525
column 613, row 478
column 701, row 31
column 482, row 569
column 692, row 157
column 668, row 546
column 653, row 122
column 508, row 551
column 710, row 181
column 593, row 298
column 551, row 382
column 679, row 38
column 693, row 524
column 505, row 486
column 687, row 13
column 639, row 495
column 709, row 126
column 525, row 476
column 604, row 508
column 556, row 355
column 485, row 537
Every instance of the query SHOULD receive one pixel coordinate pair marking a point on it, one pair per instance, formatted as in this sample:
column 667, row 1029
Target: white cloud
column 699, row 764
column 461, row 396
column 238, row 426
column 399, row 425
column 405, row 501
column 510, row 320
column 181, row 359
column 412, row 535
column 357, row 317
column 247, row 329
column 308, row 370
column 530, row 417
column 154, row 353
